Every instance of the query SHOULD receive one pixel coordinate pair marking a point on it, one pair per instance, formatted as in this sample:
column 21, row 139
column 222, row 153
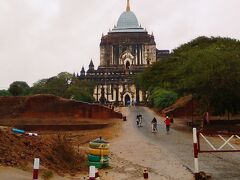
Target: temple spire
column 128, row 6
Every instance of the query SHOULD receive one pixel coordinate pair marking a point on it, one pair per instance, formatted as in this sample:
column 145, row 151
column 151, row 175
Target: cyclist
column 154, row 125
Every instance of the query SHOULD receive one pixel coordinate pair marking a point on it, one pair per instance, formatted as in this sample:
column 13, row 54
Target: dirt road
column 179, row 145
column 132, row 152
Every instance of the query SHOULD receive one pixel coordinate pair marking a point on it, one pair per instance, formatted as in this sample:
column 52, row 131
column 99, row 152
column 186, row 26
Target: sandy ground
column 10, row 173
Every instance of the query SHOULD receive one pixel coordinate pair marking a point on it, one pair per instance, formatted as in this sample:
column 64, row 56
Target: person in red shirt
column 167, row 123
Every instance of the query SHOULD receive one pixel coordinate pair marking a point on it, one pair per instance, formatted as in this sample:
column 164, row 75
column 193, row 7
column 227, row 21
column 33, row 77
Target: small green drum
column 94, row 158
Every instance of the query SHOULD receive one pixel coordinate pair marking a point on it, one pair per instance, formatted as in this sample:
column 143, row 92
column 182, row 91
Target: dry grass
column 65, row 154
column 47, row 174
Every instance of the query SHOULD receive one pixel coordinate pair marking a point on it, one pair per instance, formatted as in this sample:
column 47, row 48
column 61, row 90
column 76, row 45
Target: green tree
column 211, row 71
column 67, row 86
column 79, row 94
column 39, row 87
column 56, row 85
column 5, row 93
column 19, row 88
column 208, row 68
column 80, row 90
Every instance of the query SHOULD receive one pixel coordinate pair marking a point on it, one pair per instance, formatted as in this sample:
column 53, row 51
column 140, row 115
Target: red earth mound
column 64, row 127
column 49, row 106
column 183, row 107
column 55, row 152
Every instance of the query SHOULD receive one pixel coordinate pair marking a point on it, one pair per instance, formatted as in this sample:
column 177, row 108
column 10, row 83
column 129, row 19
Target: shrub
column 163, row 98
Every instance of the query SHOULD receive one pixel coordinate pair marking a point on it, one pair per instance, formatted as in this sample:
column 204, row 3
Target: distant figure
column 167, row 123
column 139, row 120
column 135, row 103
column 154, row 125
column 205, row 119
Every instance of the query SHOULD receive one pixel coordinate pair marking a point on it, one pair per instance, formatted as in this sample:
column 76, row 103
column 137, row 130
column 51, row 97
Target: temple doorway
column 148, row 62
column 127, row 65
column 127, row 100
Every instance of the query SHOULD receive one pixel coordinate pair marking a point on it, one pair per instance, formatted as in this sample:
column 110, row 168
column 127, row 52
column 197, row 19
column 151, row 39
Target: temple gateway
column 126, row 50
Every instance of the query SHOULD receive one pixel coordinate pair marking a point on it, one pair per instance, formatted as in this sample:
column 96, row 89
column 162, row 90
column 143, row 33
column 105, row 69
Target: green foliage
column 79, row 93
column 19, row 88
column 40, row 87
column 5, row 93
column 56, row 85
column 163, row 98
column 161, row 74
column 208, row 68
column 65, row 85
column 211, row 71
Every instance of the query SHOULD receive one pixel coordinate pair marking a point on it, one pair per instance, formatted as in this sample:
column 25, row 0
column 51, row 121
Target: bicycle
column 154, row 128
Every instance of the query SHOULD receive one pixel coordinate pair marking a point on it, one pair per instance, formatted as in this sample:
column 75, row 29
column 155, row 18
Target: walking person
column 167, row 123
column 154, row 125
column 138, row 121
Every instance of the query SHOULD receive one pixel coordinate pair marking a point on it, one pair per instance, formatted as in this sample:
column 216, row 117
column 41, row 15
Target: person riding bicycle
column 154, row 125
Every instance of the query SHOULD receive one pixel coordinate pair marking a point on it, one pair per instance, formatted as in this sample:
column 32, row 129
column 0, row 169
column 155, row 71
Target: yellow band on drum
column 99, row 145
column 99, row 152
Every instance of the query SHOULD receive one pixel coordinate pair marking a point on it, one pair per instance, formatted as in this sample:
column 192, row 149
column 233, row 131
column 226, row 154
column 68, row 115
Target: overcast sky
column 41, row 38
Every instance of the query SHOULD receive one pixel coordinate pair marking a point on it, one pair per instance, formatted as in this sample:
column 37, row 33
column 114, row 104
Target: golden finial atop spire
column 128, row 6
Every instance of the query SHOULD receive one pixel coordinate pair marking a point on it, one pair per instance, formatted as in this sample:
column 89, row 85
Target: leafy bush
column 163, row 98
